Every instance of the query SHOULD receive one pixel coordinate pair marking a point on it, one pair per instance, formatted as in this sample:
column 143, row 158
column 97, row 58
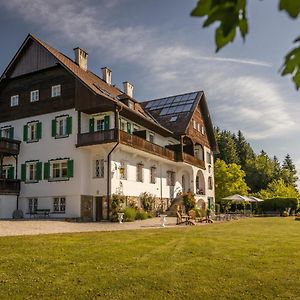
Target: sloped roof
column 174, row 112
column 91, row 80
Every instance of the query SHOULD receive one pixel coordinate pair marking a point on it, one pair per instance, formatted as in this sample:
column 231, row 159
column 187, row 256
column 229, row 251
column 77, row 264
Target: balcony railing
column 98, row 137
column 134, row 141
column 9, row 186
column 144, row 145
column 184, row 157
column 9, row 146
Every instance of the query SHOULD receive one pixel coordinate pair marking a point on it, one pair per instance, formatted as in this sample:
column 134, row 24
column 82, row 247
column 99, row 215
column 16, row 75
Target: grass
column 248, row 259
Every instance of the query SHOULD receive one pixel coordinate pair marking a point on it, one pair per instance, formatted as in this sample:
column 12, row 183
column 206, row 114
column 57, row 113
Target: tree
column 232, row 17
column 245, row 152
column 277, row 189
column 260, row 171
column 229, row 179
column 289, row 171
column 227, row 146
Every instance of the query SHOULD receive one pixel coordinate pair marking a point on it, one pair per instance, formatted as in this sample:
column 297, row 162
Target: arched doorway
column 200, row 183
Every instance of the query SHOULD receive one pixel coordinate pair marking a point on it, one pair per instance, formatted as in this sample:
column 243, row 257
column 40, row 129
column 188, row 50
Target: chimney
column 128, row 88
column 106, row 73
column 81, row 58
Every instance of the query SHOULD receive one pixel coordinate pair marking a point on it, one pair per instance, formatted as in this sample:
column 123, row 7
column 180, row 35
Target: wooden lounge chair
column 184, row 220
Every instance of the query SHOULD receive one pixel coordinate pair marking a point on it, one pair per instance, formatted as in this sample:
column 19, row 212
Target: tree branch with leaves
column 232, row 17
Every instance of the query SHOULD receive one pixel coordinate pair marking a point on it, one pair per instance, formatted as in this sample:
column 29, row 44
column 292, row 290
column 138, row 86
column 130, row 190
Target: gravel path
column 34, row 227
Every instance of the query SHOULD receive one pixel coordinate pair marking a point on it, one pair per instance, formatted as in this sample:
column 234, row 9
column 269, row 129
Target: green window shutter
column 70, row 172
column 39, row 166
column 106, row 123
column 23, row 172
column 92, row 125
column 53, row 128
column 25, row 133
column 39, row 130
column 11, row 132
column 46, row 170
column 11, row 173
column 128, row 127
column 69, row 125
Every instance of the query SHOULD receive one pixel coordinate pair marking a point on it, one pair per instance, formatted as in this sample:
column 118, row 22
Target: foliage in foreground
column 231, row 16
column 255, row 258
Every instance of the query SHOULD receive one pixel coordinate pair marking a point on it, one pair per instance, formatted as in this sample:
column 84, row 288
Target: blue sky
column 158, row 47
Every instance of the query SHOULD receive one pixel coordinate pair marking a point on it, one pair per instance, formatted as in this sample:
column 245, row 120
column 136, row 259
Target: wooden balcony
column 9, row 146
column 97, row 137
column 134, row 141
column 144, row 145
column 187, row 158
column 9, row 186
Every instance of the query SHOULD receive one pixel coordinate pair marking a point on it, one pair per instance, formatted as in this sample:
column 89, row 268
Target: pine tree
column 245, row 152
column 289, row 172
column 227, row 146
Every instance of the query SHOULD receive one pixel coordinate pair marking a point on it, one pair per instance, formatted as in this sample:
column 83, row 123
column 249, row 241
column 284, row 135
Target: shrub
column 217, row 209
column 129, row 214
column 141, row 215
column 189, row 201
column 117, row 201
column 278, row 204
column 147, row 201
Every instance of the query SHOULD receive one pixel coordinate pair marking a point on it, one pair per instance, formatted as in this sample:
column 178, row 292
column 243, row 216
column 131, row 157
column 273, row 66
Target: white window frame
column 5, row 132
column 14, row 100
column 153, row 170
column 99, row 168
column 31, row 171
column 61, row 123
column 199, row 127
column 56, row 90
column 203, row 130
column 59, row 204
column 34, row 96
column 170, row 178
column 151, row 137
column 5, row 169
column 140, row 172
column 59, row 168
column 194, row 124
column 32, row 131
column 208, row 157
column 102, row 124
column 33, row 204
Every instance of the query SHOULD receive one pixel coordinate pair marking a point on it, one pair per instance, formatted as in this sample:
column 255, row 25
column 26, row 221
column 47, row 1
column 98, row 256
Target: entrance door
column 87, row 208
column 101, row 208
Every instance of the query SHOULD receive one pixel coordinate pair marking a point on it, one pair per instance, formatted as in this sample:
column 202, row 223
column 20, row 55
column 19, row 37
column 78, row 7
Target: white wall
column 8, row 204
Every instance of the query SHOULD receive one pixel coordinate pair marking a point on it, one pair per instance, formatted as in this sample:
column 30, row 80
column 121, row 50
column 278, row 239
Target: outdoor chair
column 184, row 220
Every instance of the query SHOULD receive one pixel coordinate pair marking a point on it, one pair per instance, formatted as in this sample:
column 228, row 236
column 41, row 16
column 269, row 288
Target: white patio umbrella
column 237, row 198
column 255, row 199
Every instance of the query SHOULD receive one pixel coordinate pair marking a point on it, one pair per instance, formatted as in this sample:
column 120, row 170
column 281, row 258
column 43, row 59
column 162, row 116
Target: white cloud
column 238, row 101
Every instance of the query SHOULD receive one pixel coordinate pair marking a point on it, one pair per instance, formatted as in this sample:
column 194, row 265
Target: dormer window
column 14, row 100
column 34, row 96
column 56, row 91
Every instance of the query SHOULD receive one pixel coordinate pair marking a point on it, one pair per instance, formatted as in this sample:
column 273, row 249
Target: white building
column 70, row 139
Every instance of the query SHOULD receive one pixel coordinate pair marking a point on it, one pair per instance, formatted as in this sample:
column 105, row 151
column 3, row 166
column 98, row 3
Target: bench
column 42, row 212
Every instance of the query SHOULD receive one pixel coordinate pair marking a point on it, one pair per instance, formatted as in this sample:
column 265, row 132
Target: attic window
column 173, row 119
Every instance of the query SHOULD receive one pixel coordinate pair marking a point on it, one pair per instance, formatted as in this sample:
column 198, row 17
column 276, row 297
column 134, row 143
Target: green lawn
column 255, row 258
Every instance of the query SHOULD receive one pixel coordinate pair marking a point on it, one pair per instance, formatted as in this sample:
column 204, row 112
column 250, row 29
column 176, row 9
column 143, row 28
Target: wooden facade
column 43, row 81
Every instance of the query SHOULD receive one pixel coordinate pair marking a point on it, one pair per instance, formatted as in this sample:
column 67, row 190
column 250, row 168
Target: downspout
column 108, row 189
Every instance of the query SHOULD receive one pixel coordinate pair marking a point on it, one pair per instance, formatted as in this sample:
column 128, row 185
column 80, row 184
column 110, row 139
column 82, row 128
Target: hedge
column 279, row 204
